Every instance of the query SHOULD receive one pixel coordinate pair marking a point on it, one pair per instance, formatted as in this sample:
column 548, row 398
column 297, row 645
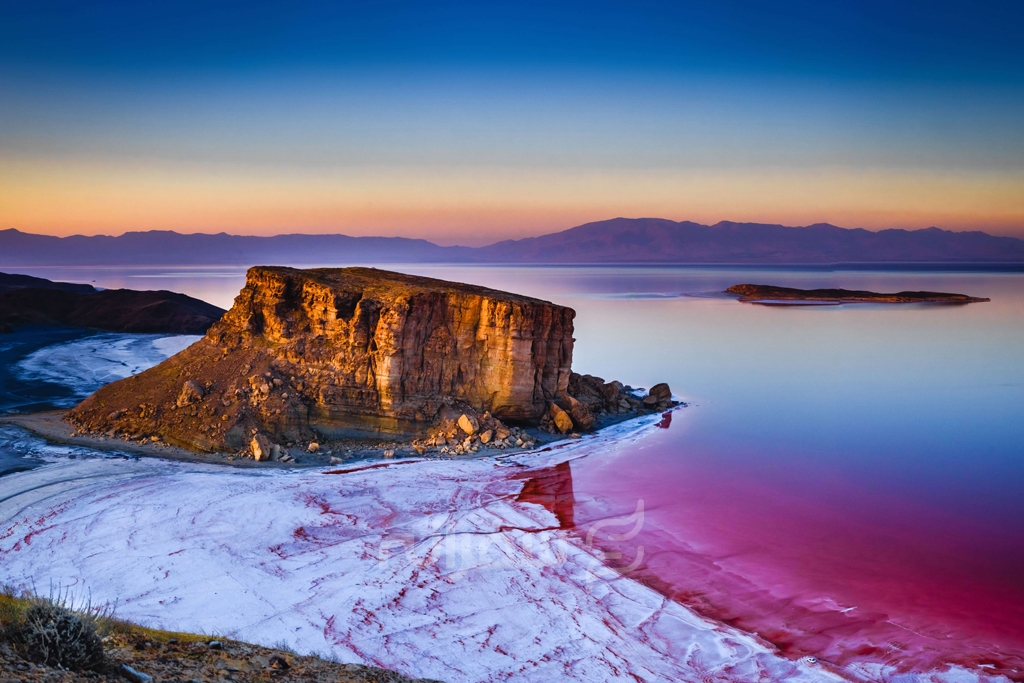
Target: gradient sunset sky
column 469, row 122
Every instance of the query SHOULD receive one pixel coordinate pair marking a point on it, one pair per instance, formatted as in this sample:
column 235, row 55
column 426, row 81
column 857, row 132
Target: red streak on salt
column 551, row 488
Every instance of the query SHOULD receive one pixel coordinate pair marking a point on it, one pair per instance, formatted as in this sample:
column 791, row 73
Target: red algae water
column 846, row 481
column 816, row 567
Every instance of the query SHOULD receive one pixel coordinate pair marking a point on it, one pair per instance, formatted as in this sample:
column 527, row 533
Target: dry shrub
column 53, row 632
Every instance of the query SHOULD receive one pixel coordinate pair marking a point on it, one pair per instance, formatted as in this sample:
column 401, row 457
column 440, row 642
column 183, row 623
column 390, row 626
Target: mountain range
column 619, row 240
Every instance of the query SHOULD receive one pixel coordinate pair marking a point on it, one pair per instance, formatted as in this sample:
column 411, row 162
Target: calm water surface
column 847, row 481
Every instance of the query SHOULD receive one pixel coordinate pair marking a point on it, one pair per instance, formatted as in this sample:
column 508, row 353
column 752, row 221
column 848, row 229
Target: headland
column 349, row 360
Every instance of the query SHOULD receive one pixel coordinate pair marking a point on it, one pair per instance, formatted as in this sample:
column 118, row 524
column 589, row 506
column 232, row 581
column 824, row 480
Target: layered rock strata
column 330, row 353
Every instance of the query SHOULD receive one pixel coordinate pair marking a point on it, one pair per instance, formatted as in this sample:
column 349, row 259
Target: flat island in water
column 773, row 294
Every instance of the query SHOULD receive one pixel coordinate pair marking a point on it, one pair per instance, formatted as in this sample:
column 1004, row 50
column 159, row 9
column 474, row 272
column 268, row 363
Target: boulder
column 134, row 676
column 191, row 392
column 582, row 417
column 587, row 389
column 660, row 393
column 598, row 396
column 260, row 447
column 561, row 419
column 468, row 424
column 613, row 392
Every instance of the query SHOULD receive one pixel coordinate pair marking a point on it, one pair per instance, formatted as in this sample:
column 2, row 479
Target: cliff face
column 348, row 351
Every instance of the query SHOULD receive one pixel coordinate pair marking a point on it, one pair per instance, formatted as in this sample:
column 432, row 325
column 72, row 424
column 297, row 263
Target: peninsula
column 306, row 357
column 26, row 300
column 770, row 294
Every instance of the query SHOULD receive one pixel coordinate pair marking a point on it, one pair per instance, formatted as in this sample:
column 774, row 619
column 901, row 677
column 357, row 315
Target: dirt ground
column 181, row 658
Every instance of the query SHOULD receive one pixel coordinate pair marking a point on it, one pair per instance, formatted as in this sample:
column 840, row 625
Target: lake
column 846, row 481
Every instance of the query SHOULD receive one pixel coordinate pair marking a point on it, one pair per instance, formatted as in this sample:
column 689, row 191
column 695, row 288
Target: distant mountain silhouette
column 656, row 240
column 164, row 247
column 620, row 240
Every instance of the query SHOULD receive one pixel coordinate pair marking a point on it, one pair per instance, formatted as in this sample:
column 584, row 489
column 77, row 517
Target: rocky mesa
column 306, row 355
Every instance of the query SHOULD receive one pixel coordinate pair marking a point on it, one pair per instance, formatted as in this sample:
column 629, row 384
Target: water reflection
column 551, row 488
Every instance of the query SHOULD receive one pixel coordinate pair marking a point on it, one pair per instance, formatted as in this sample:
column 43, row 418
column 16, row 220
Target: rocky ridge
column 327, row 362
column 28, row 300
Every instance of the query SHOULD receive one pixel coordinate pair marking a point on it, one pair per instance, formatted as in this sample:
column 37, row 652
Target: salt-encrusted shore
column 429, row 567
column 437, row 568
column 50, row 425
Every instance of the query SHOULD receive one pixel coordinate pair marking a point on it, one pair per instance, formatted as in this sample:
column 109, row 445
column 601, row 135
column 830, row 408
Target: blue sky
column 464, row 122
column 937, row 41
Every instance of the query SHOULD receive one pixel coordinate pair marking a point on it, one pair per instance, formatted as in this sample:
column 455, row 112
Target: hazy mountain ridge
column 619, row 240
column 165, row 247
column 656, row 240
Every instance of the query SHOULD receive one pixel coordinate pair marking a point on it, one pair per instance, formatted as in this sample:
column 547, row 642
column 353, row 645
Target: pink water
column 788, row 561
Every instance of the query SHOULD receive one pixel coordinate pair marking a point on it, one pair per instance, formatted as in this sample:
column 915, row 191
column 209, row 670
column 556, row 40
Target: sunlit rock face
column 346, row 351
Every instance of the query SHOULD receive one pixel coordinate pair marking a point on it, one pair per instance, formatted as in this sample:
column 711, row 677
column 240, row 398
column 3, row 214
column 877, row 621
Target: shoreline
column 50, row 425
column 493, row 550
column 307, row 534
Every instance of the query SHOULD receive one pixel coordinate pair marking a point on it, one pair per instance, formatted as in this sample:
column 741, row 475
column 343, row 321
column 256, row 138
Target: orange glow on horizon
column 475, row 206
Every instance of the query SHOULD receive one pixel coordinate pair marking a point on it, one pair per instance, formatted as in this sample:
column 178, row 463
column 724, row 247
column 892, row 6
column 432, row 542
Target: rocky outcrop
column 330, row 353
column 27, row 300
column 589, row 401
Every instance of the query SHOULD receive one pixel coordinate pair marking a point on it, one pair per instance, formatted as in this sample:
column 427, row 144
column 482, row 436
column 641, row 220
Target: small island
column 769, row 294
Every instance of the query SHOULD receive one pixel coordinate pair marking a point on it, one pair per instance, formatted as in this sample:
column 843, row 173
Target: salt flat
column 84, row 365
column 429, row 567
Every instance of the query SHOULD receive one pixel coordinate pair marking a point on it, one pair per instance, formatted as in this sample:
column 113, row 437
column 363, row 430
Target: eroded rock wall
column 346, row 351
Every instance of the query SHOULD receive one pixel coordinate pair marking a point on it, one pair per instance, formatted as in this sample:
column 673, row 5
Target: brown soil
column 183, row 657
column 51, row 426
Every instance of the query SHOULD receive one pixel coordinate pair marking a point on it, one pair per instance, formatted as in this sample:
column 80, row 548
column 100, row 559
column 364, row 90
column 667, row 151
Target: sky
column 471, row 122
